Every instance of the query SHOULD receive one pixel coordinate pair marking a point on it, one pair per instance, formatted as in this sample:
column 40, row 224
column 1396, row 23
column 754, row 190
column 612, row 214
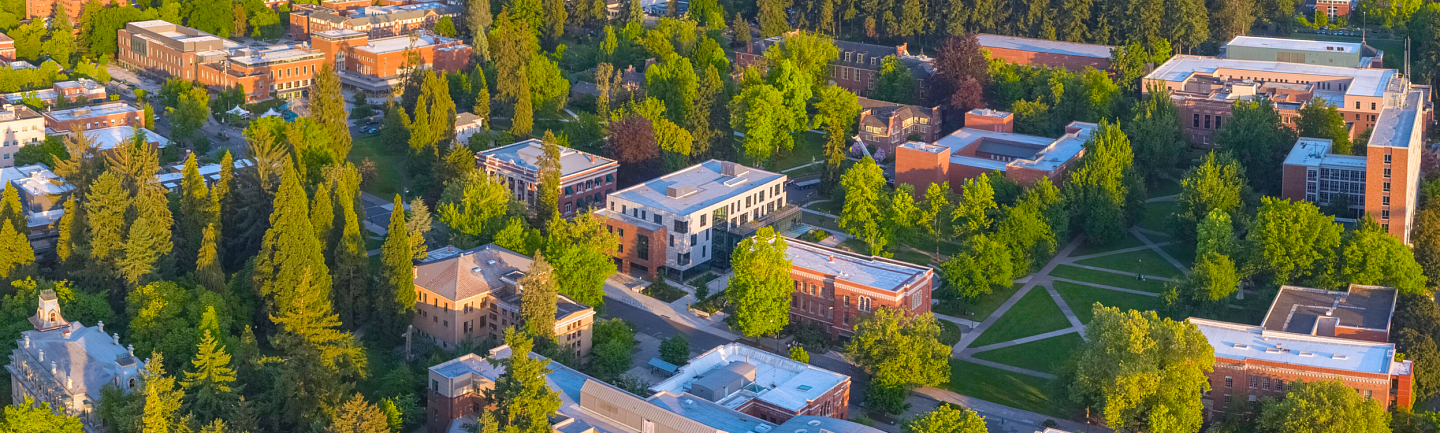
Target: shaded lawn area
column 856, row 246
column 1016, row 390
column 913, row 257
column 977, row 309
column 809, row 146
column 1034, row 314
column 1157, row 217
column 926, row 242
column 949, row 332
column 1107, row 278
column 1045, row 356
column 1129, row 241
column 1082, row 300
column 389, row 164
column 372, row 243
column 1182, row 252
column 1146, row 262
column 1163, row 188
column 819, row 221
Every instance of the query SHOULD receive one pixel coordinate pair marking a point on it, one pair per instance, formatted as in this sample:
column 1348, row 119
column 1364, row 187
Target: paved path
column 1176, row 263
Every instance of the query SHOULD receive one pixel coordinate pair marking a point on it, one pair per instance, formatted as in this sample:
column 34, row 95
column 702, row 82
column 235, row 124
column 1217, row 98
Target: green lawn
column 1034, row 314
column 927, row 243
column 1045, row 356
column 809, row 147
column 977, row 309
column 390, row 165
column 1146, row 262
column 856, row 246
column 1181, row 251
column 373, row 243
column 913, row 257
column 1157, row 217
column 949, row 332
column 819, row 221
column 1163, row 188
column 1107, row 278
column 1129, row 241
column 1016, row 390
column 1082, row 300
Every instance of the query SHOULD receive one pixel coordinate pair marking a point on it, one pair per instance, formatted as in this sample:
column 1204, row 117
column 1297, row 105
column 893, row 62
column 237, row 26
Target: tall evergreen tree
column 208, row 272
column 418, row 225
column 395, row 257
column 290, row 259
column 11, row 211
column 537, row 302
column 322, row 216
column 148, row 244
column 105, row 226
column 70, row 232
column 16, row 255
column 352, row 264
column 327, row 105
column 521, row 395
column 477, row 21
column 207, row 385
column 482, row 97
column 162, row 399
column 547, row 202
column 359, row 416
column 195, row 212
column 555, row 17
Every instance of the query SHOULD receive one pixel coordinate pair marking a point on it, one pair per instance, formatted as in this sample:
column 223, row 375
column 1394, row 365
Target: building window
column 1387, row 158
column 1207, row 121
column 1385, row 186
column 1254, row 382
column 1197, row 120
column 642, row 247
column 1372, row 105
column 1385, row 214
column 1217, row 121
column 1385, row 200
column 1229, row 381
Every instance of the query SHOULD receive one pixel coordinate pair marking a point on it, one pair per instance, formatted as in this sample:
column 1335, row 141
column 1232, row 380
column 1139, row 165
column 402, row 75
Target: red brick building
column 1333, row 8
column 94, row 117
column 1040, row 52
column 987, row 144
column 168, row 50
column 1308, row 335
column 80, row 91
column 7, row 48
column 585, row 179
column 885, row 125
column 376, row 66
column 834, row 287
column 42, row 9
column 858, row 67
column 375, row 21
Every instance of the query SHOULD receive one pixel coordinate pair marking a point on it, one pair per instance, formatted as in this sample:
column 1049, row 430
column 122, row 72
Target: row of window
column 1217, row 118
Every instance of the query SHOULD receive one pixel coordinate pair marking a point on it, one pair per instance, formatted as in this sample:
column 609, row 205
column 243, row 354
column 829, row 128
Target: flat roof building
column 166, row 49
column 990, row 147
column 374, row 21
column 1308, row 334
column 1041, row 52
column 94, row 117
column 83, row 90
column 585, row 178
column 473, row 295
column 760, row 384
column 835, row 287
column 376, row 66
column 679, row 222
column 19, row 126
column 1348, row 54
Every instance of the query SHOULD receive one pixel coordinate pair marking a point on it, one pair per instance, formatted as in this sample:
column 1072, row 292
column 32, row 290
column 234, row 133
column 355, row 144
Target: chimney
column 53, row 370
column 130, row 348
column 42, row 355
column 27, row 341
column 69, row 382
column 832, row 258
column 100, row 325
column 116, row 336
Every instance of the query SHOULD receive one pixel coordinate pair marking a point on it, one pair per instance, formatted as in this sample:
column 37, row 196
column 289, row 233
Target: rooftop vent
column 679, row 191
column 803, row 387
column 1307, row 353
column 689, row 402
column 475, row 269
column 1273, row 350
column 814, row 422
column 728, row 168
column 1339, row 357
column 1242, row 346
column 490, row 262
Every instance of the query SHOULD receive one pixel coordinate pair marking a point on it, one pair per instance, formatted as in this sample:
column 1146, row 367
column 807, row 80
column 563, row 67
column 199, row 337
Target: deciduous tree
column 1293, row 243
column 1257, row 139
column 579, row 249
column 760, row 289
column 900, row 353
column 1372, row 256
column 1141, row 371
column 947, row 418
column 1217, row 184
column 864, row 185
column 1323, row 406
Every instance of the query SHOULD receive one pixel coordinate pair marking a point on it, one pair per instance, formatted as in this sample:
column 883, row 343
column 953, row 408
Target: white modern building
column 20, row 126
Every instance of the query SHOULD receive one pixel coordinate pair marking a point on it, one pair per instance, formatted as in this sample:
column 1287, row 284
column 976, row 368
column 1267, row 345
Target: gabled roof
column 455, row 274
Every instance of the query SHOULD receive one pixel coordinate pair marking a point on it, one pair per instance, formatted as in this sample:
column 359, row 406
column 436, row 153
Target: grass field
column 1046, row 356
column 1157, row 216
column 913, row 257
column 1011, row 389
column 1107, row 278
column 1082, row 300
column 1163, row 188
column 1182, row 252
column 390, row 165
column 1129, row 241
column 1146, row 262
column 809, row 146
column 1035, row 314
column 949, row 332
column 977, row 309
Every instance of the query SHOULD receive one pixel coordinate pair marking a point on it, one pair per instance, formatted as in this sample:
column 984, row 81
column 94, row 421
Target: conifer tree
column 105, row 223
column 359, row 416
column 82, row 167
column 396, row 256
column 322, row 216
column 207, row 385
column 352, row 264
column 521, row 394
column 321, row 358
column 547, row 204
column 195, row 213
column 162, row 399
column 482, row 97
column 16, row 255
column 207, row 265
column 537, row 301
column 290, row 261
column 148, row 245
column 134, row 161
column 327, row 105
column 418, row 223
column 11, row 210
column 65, row 246
column 222, row 186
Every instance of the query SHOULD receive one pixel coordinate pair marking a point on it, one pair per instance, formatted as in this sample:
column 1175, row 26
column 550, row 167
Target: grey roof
column 526, row 154
column 882, row 111
column 999, row 147
column 1244, row 342
column 711, row 187
column 1297, row 309
column 1364, row 82
column 1045, row 46
column 714, row 379
column 455, row 274
column 707, row 413
column 807, row 423
column 87, row 355
column 1296, row 44
column 871, row 271
column 1396, row 125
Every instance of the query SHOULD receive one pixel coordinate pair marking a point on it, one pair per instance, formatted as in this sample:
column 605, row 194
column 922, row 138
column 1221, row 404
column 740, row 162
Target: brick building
column 887, row 124
column 167, row 50
column 677, row 223
column 858, row 67
column 375, row 21
column 1383, row 183
column 7, row 48
column 457, row 391
column 585, row 179
column 834, row 287
column 376, row 66
column 1205, row 89
column 43, row 9
column 94, row 117
column 1040, row 52
column 1333, row 8
column 473, row 295
column 20, row 126
column 80, row 91
column 987, row 144
column 1308, row 335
